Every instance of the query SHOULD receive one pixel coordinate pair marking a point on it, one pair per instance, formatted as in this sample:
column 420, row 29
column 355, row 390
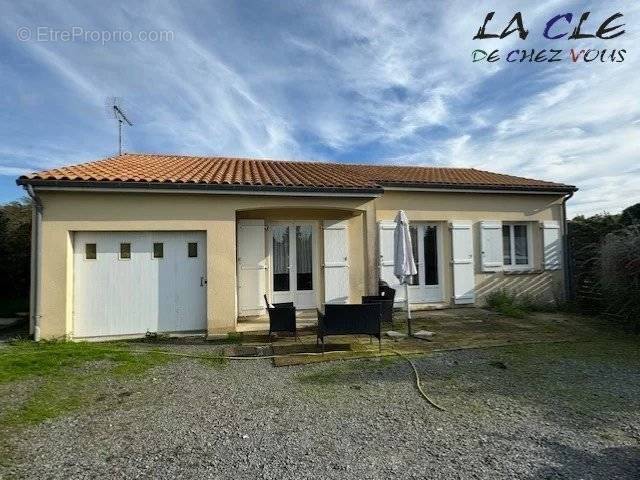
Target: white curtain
column 303, row 249
column 280, row 249
column 520, row 244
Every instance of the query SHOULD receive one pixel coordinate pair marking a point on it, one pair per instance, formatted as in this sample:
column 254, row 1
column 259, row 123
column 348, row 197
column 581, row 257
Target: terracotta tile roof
column 243, row 173
column 449, row 177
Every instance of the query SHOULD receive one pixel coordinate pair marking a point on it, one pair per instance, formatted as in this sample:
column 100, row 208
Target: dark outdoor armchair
column 386, row 305
column 350, row 320
column 282, row 317
column 386, row 298
column 388, row 292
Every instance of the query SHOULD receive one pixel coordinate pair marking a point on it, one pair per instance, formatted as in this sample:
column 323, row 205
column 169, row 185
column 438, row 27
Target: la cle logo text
column 558, row 27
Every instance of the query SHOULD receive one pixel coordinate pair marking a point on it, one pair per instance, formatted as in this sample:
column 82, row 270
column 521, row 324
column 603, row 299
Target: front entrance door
column 425, row 287
column 292, row 264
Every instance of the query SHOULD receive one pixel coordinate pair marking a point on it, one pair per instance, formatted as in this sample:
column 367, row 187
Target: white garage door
column 128, row 283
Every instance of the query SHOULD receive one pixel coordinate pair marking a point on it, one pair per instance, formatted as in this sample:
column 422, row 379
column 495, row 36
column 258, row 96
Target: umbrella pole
column 406, row 299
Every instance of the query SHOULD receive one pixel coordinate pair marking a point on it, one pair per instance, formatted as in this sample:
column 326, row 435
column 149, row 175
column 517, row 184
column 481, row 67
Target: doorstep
column 420, row 307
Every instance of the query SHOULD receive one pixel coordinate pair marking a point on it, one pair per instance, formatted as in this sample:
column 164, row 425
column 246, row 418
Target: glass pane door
column 431, row 255
column 425, row 286
column 292, row 264
column 304, row 258
column 280, row 253
column 413, row 231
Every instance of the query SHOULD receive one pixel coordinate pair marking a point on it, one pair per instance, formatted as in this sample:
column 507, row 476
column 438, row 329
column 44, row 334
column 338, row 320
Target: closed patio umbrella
column 404, row 264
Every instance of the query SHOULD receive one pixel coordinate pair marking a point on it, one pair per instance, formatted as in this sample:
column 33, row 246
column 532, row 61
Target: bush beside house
column 15, row 241
column 605, row 264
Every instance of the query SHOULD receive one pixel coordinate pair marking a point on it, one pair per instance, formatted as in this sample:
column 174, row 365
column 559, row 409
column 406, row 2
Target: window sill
column 524, row 271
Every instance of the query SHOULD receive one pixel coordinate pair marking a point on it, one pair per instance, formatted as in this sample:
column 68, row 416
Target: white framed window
column 516, row 246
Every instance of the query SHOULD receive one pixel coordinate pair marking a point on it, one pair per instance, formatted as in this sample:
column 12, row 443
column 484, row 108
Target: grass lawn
column 61, row 377
column 62, row 373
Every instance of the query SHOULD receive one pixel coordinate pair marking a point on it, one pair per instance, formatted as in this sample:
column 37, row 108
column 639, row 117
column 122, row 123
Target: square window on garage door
column 90, row 251
column 125, row 251
column 158, row 250
column 192, row 249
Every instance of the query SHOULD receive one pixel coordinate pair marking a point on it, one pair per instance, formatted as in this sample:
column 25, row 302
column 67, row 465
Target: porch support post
column 357, row 258
column 371, row 250
column 221, row 276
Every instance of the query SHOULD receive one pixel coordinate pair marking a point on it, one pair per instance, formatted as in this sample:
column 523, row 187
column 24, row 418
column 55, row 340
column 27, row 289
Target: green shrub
column 619, row 264
column 518, row 305
column 499, row 298
column 506, row 303
column 513, row 305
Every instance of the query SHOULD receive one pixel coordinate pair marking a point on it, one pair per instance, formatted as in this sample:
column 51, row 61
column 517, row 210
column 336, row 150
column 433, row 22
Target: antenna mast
column 115, row 109
column 121, row 117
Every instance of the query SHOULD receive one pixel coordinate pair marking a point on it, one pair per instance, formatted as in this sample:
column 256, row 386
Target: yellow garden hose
column 418, row 384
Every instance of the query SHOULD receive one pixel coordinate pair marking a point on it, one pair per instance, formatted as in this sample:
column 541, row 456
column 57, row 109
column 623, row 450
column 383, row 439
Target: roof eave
column 475, row 187
column 231, row 188
column 239, row 188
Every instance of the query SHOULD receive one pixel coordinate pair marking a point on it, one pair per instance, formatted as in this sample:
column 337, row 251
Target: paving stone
column 395, row 335
column 424, row 334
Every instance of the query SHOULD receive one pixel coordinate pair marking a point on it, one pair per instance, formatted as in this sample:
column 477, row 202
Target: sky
column 347, row 81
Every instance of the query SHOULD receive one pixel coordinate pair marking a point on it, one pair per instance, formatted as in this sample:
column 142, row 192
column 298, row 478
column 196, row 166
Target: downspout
column 568, row 277
column 36, row 260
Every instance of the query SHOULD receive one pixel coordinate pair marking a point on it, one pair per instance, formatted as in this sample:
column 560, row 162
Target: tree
column 620, row 274
column 631, row 215
column 604, row 251
column 15, row 249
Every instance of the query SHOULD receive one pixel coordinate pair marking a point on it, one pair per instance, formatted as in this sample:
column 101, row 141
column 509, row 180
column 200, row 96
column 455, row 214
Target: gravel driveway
column 508, row 416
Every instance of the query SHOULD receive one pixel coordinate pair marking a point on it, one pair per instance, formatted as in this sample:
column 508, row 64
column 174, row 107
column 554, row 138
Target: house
column 140, row 242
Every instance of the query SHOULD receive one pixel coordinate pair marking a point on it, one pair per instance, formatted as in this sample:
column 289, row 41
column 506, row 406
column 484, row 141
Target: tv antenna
column 115, row 109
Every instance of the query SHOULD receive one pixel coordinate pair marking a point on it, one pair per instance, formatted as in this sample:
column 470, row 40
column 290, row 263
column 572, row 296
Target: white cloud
column 581, row 129
column 365, row 80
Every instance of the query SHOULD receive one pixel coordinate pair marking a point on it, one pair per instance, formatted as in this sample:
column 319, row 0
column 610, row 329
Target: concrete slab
column 424, row 334
column 395, row 335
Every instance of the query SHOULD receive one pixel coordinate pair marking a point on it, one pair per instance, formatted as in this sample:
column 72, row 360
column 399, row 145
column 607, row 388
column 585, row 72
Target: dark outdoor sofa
column 282, row 317
column 350, row 319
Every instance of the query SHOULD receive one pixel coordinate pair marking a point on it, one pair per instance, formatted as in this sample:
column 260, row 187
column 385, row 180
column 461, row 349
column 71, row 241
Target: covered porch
column 308, row 257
